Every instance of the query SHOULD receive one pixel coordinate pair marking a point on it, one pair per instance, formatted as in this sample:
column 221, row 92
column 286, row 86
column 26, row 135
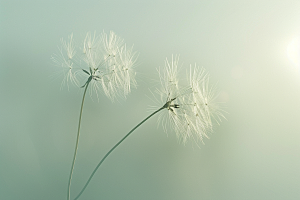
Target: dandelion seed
column 111, row 44
column 128, row 59
column 65, row 60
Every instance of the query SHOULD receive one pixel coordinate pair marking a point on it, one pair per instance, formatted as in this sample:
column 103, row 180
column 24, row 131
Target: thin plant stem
column 113, row 149
column 77, row 141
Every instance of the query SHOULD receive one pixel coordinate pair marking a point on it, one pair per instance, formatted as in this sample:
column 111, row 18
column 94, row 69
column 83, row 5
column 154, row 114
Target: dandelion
column 189, row 110
column 106, row 64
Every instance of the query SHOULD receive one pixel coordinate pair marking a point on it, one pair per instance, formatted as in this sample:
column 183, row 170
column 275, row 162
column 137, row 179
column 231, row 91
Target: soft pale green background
column 255, row 154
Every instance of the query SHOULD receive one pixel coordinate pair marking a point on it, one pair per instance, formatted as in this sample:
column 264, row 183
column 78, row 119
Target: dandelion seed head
column 105, row 63
column 190, row 109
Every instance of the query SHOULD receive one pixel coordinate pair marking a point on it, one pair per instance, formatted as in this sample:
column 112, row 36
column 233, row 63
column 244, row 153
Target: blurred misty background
column 250, row 48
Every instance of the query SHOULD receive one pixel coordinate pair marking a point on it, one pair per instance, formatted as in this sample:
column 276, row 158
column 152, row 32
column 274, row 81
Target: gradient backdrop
column 250, row 49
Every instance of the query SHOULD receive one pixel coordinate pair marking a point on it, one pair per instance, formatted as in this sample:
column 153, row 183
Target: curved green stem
column 113, row 149
column 77, row 141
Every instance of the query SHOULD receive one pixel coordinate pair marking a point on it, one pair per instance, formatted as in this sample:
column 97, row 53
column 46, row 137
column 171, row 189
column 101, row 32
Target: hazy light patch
column 25, row 155
column 237, row 72
column 223, row 96
column 293, row 51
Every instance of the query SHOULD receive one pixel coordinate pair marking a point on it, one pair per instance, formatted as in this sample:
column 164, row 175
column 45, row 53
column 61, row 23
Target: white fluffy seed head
column 190, row 108
column 105, row 59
